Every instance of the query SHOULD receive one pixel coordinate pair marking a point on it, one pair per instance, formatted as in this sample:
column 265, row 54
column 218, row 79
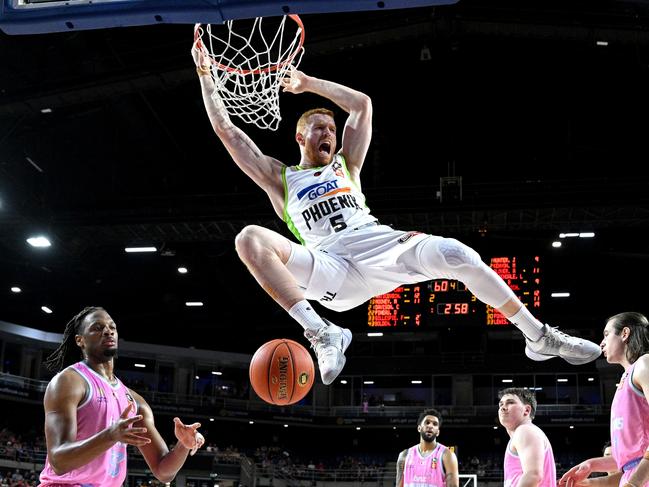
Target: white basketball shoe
column 555, row 343
column 330, row 343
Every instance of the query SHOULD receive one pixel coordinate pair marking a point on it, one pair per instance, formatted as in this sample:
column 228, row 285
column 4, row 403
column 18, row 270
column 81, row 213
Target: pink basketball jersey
column 629, row 428
column 514, row 470
column 424, row 471
column 99, row 410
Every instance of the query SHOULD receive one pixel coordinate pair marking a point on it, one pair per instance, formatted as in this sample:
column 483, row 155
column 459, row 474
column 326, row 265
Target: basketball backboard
column 44, row 16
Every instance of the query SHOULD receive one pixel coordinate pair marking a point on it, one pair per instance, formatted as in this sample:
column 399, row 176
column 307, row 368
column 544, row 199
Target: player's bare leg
column 265, row 254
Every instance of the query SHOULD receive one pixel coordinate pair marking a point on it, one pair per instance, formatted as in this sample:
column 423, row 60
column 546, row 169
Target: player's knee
column 457, row 254
column 255, row 245
column 447, row 258
column 248, row 242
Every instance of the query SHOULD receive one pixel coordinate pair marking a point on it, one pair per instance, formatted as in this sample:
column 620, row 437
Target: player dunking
column 90, row 416
column 347, row 257
column 626, row 342
column 429, row 463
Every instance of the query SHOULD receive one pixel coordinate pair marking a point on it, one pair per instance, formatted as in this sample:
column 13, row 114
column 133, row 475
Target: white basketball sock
column 532, row 328
column 305, row 315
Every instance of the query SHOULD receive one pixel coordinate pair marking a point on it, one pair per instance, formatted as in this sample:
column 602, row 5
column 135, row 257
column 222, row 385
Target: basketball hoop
column 248, row 65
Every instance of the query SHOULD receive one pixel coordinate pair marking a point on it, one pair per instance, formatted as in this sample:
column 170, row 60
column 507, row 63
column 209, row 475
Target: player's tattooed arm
column 401, row 464
column 262, row 169
column 246, row 143
column 265, row 171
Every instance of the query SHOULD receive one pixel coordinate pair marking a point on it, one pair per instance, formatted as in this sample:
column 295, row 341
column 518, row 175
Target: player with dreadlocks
column 90, row 416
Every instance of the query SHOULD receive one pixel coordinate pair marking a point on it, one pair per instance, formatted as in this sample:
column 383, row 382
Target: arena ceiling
column 104, row 144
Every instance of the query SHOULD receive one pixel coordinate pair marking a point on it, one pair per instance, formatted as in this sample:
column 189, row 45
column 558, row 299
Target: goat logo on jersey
column 326, row 188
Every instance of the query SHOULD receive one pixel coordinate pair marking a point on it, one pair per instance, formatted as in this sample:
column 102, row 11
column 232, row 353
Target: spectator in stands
column 607, row 449
column 529, row 460
column 607, row 452
column 626, row 342
column 428, row 463
column 90, row 416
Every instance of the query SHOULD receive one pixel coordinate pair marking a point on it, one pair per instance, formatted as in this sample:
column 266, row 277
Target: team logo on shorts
column 329, row 296
column 407, row 237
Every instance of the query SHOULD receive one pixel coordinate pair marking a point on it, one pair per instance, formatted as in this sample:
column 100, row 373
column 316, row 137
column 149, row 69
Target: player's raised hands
column 123, row 430
column 294, row 82
column 188, row 435
column 201, row 56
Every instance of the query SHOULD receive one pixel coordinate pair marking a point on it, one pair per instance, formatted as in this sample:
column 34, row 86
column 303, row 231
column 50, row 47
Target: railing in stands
column 29, row 389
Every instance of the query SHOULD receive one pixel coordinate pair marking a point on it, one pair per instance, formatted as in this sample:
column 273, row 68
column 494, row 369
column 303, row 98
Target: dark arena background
column 509, row 125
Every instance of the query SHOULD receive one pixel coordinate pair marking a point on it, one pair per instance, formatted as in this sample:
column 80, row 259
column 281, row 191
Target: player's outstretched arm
column 358, row 128
column 612, row 480
column 164, row 463
column 262, row 169
column 580, row 472
column 401, row 466
column 451, row 468
column 62, row 397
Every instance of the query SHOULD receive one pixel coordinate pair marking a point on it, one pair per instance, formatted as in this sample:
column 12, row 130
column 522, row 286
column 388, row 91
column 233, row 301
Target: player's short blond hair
column 304, row 118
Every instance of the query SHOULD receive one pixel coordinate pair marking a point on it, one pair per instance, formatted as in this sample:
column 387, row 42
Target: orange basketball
column 281, row 372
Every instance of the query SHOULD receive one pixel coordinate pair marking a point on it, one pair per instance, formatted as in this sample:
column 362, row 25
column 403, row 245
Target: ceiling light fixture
column 132, row 250
column 39, row 242
column 560, row 295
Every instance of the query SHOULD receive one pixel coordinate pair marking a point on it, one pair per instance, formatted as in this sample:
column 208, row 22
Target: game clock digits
column 444, row 302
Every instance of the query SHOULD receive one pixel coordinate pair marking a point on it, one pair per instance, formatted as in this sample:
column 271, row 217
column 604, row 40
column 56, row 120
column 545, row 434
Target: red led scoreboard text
column 443, row 301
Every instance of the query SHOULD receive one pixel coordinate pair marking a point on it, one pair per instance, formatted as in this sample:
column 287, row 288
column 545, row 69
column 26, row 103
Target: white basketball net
column 248, row 65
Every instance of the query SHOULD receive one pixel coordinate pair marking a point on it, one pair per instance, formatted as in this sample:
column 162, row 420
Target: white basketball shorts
column 359, row 265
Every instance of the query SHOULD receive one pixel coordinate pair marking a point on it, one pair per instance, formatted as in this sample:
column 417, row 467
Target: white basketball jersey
column 321, row 202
